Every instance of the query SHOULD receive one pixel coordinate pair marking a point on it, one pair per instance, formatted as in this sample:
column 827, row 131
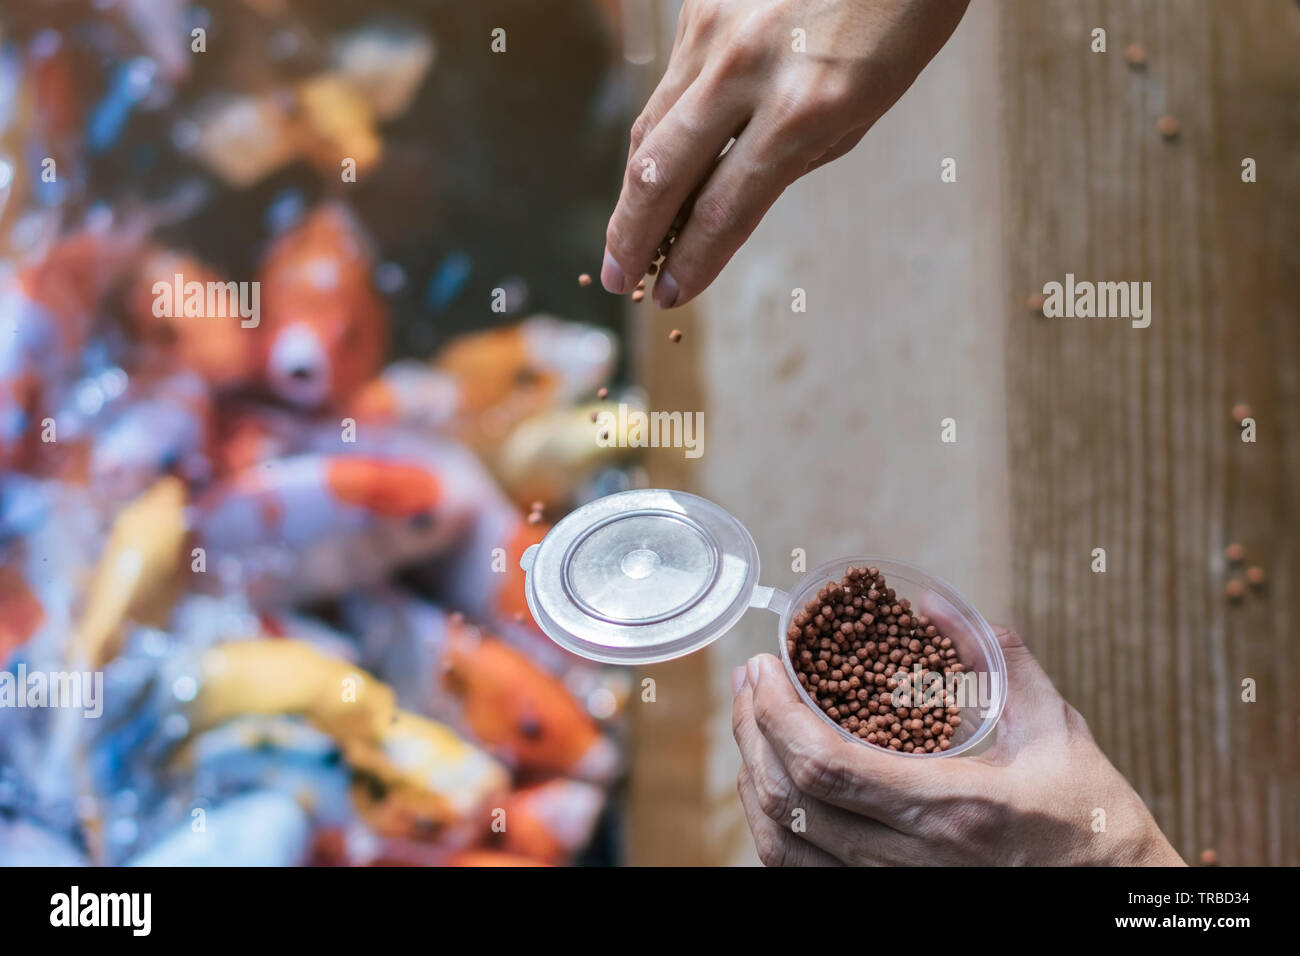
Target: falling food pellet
column 1167, row 126
column 1235, row 589
column 594, row 417
column 1035, row 302
column 1240, row 412
column 584, row 280
column 1255, row 576
column 675, row 335
column 602, row 393
column 1235, row 552
column 538, row 506
column 1209, row 857
column 638, row 295
column 1135, row 55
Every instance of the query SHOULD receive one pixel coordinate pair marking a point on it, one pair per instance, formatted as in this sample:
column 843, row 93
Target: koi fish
column 548, row 457
column 243, row 139
column 137, row 571
column 273, row 752
column 325, row 327
column 290, row 677
column 422, row 781
column 488, row 690
column 551, row 821
column 335, row 120
column 313, row 525
column 508, row 374
column 481, row 577
column 412, row 778
column 246, row 435
column 411, row 394
column 262, row 828
column 513, row 706
column 384, row 65
column 163, row 427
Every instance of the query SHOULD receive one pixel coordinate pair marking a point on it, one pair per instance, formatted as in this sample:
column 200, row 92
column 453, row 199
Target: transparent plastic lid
column 642, row 576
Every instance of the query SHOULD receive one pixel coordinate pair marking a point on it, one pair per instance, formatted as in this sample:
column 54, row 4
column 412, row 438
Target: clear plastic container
column 650, row 575
column 980, row 698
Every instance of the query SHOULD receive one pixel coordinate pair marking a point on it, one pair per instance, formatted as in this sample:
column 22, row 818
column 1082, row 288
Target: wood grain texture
column 1122, row 438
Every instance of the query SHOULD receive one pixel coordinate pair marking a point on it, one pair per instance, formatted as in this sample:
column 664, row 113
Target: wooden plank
column 1121, row 438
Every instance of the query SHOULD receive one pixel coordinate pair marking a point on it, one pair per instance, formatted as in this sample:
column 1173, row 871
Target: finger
column 1034, row 714
column 847, row 836
column 739, row 192
column 826, row 766
column 1024, row 674
column 663, row 171
column 670, row 89
column 776, row 845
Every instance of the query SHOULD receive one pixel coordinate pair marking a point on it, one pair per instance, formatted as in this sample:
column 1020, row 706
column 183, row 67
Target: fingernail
column 737, row 679
column 666, row 291
column 751, row 672
column 612, row 277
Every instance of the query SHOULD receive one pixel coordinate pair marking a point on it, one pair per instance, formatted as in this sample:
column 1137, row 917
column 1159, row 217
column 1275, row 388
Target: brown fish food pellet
column 675, row 335
column 584, row 280
column 850, row 645
column 638, row 295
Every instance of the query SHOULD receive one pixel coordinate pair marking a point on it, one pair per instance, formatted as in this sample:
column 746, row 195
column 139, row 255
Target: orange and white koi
column 410, row 394
column 551, row 821
column 324, row 328
column 508, row 374
column 490, row 691
column 314, row 524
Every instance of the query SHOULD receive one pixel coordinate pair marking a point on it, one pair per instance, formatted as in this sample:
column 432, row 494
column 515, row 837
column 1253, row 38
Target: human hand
column 793, row 101
column 1030, row 799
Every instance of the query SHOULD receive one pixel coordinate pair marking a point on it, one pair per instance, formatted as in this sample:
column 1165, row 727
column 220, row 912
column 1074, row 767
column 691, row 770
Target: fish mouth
column 298, row 367
column 600, row 764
